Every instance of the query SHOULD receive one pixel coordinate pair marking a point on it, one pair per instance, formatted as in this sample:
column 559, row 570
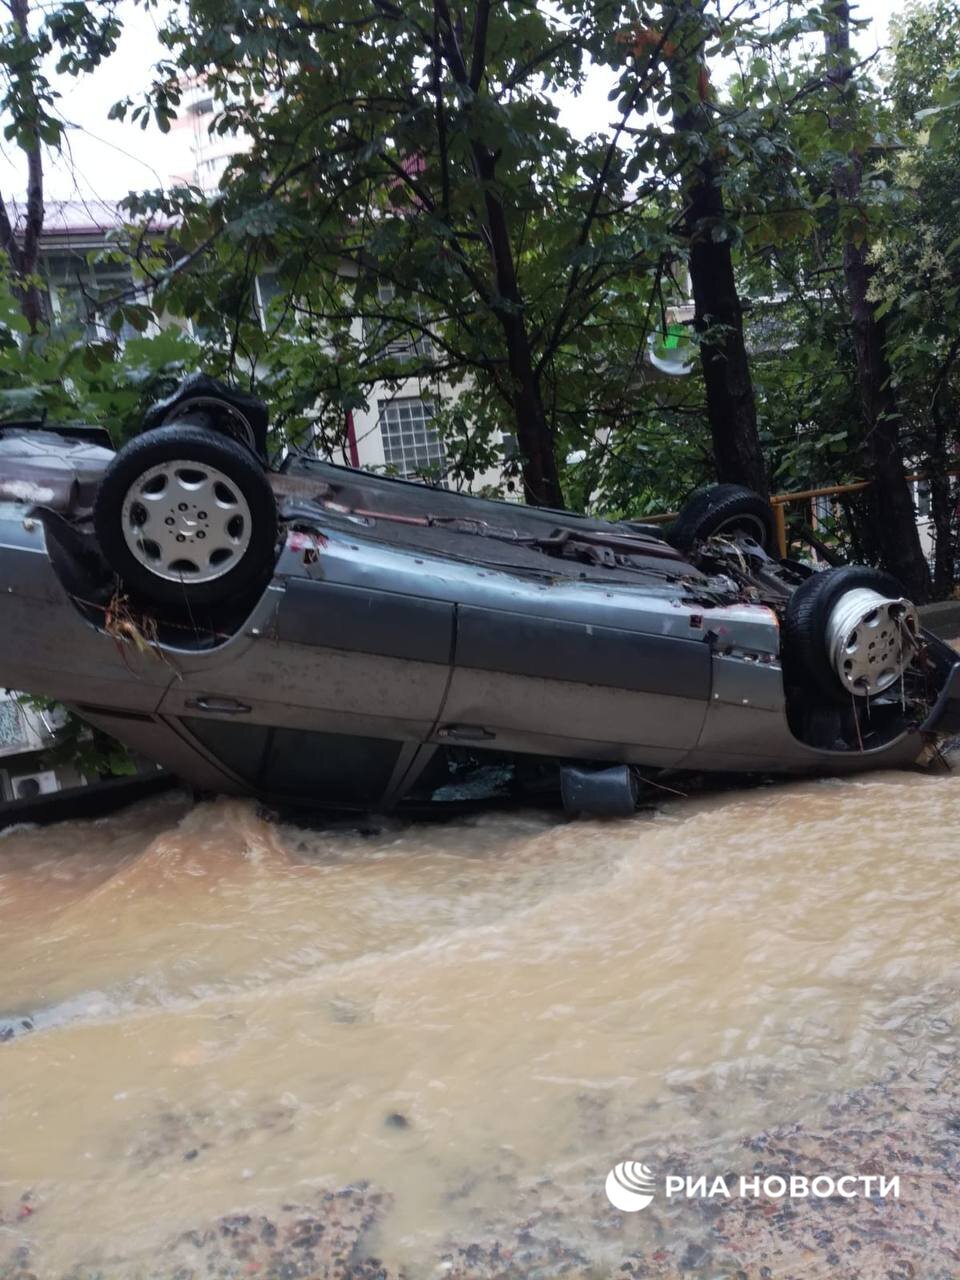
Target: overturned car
column 315, row 635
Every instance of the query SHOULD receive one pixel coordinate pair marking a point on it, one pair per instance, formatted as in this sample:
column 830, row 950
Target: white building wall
column 193, row 154
column 367, row 422
column 393, row 436
column 24, row 728
column 24, row 734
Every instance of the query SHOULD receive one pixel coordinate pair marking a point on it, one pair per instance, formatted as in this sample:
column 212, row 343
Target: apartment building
column 393, row 433
column 26, row 735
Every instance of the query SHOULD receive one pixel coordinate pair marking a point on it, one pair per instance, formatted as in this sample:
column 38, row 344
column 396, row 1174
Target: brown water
column 230, row 1014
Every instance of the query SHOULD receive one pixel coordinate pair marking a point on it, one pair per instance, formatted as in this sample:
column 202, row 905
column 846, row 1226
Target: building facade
column 26, row 736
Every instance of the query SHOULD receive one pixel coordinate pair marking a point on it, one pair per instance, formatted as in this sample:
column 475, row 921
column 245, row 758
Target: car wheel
column 186, row 516
column 724, row 509
column 849, row 632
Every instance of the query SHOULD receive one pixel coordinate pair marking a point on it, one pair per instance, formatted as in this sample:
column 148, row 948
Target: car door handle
column 466, row 733
column 223, row 706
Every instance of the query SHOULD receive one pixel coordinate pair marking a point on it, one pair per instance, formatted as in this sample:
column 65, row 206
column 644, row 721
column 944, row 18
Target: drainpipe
column 352, row 450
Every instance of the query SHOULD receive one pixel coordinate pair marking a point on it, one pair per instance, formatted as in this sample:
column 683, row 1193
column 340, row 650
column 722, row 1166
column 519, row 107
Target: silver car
column 319, row 636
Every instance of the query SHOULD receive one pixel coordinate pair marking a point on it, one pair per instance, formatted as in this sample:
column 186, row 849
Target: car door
column 326, row 693
column 526, row 681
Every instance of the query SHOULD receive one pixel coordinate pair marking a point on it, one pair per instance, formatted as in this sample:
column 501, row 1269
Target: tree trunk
column 861, row 527
column 731, row 407
column 942, row 506
column 943, row 510
column 891, row 502
column 541, row 479
column 23, row 255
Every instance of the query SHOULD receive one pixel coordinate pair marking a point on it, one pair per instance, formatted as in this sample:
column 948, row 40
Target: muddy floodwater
column 234, row 1047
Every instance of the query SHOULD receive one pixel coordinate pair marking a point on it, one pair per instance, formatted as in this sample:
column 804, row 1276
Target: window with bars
column 81, row 289
column 410, row 341
column 12, row 731
column 411, row 446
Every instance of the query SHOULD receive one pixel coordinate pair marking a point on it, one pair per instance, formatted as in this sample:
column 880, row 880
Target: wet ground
column 231, row 1048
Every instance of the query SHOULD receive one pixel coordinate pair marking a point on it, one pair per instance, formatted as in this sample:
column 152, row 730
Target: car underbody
column 411, row 647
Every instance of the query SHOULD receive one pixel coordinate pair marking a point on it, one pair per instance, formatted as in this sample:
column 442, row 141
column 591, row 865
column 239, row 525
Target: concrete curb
column 92, row 801
column 942, row 618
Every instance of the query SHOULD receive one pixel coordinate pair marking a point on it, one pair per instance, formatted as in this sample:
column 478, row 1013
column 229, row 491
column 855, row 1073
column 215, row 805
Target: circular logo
column 630, row 1186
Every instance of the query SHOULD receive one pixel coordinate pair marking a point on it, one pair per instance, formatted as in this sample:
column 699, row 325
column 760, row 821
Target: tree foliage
column 60, row 375
column 79, row 36
column 408, row 177
column 418, row 208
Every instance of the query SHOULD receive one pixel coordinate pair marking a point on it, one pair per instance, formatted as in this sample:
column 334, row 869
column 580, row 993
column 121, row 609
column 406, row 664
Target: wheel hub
column 746, row 525
column 186, row 521
column 871, row 640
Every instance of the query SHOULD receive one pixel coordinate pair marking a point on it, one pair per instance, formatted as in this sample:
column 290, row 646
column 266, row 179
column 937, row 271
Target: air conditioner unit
column 27, row 785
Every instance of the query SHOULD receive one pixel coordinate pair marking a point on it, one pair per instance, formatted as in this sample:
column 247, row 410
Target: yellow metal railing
column 781, row 500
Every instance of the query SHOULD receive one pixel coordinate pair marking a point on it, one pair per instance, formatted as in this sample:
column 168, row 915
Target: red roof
column 68, row 218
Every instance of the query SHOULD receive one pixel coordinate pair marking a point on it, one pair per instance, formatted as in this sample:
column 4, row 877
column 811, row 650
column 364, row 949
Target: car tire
column 186, row 516
column 804, row 643
column 724, row 508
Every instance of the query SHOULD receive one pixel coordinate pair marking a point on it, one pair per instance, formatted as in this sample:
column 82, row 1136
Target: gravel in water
column 237, row 1050
column 332, row 1236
